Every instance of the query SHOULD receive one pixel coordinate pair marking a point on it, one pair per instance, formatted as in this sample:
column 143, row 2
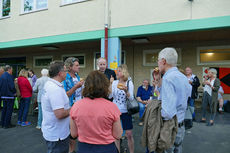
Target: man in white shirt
column 55, row 110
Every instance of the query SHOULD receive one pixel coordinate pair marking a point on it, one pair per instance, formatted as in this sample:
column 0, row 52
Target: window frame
column 34, row 6
column 73, row 55
column 145, row 52
column 41, row 57
column 211, row 63
column 1, row 10
column 70, row 3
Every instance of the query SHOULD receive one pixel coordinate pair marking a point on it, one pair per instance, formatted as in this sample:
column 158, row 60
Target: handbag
column 132, row 105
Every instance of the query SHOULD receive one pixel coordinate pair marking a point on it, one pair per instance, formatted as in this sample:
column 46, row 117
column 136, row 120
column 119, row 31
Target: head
column 167, row 58
column 1, row 70
column 102, row 64
column 31, row 72
column 156, row 74
column 145, row 83
column 44, row 72
column 96, row 85
column 188, row 71
column 8, row 69
column 122, row 72
column 57, row 70
column 72, row 65
column 23, row 73
column 212, row 73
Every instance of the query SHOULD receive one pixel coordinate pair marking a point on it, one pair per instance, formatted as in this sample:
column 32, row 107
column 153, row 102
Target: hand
column 111, row 79
column 190, row 81
column 207, row 83
column 157, row 92
column 79, row 84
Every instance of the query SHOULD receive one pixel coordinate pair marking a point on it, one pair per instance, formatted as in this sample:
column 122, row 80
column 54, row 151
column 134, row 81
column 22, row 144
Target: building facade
column 35, row 32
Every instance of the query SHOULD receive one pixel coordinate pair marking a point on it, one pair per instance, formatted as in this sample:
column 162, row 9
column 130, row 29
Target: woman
column 38, row 87
column 211, row 87
column 95, row 120
column 120, row 92
column 26, row 94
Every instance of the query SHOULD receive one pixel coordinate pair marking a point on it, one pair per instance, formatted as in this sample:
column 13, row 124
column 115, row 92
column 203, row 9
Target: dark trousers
column 93, row 148
column 23, row 109
column 8, row 106
column 61, row 146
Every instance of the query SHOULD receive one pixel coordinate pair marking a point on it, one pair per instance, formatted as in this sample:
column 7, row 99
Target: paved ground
column 199, row 139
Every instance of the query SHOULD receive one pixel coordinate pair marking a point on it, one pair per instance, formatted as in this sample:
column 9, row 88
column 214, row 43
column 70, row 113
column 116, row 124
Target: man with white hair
column 175, row 91
column 38, row 87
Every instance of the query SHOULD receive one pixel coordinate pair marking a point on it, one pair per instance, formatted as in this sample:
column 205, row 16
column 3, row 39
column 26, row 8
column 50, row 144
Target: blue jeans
column 8, row 106
column 39, row 114
column 192, row 104
column 142, row 109
column 61, row 146
column 147, row 151
column 23, row 109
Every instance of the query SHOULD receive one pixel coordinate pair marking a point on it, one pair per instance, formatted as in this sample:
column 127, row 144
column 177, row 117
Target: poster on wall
column 223, row 74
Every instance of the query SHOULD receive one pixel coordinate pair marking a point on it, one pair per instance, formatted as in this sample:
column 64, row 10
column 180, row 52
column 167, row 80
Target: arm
column 117, row 129
column 75, row 87
column 131, row 91
column 61, row 113
column 73, row 128
column 216, row 85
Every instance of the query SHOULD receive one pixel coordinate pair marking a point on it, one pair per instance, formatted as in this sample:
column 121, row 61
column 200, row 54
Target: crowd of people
column 94, row 109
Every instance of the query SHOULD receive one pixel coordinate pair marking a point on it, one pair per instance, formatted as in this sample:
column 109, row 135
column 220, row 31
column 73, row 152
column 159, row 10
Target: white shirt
column 207, row 88
column 78, row 91
column 54, row 98
column 119, row 96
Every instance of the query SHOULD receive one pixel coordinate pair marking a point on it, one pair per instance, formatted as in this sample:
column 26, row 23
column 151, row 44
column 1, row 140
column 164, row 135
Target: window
column 150, row 57
column 42, row 61
column 4, row 8
column 98, row 55
column 64, row 2
column 81, row 58
column 213, row 55
column 34, row 5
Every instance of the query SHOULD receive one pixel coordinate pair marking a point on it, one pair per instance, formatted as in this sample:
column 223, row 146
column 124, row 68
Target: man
column 194, row 81
column 73, row 86
column 7, row 93
column 102, row 65
column 174, row 94
column 55, row 110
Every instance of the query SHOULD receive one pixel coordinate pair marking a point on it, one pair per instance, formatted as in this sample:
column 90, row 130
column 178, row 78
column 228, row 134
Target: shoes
column 19, row 123
column 9, row 126
column 210, row 124
column 141, row 123
column 38, row 127
column 203, row 121
column 25, row 123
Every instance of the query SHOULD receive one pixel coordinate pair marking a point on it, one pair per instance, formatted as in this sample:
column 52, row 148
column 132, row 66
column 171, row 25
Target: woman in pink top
column 95, row 120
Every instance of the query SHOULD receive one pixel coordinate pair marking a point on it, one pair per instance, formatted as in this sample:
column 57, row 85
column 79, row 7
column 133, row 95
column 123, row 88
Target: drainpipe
column 106, row 28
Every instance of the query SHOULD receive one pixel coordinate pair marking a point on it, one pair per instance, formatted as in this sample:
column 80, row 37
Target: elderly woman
column 95, row 120
column 211, row 87
column 38, row 87
column 26, row 94
column 121, row 90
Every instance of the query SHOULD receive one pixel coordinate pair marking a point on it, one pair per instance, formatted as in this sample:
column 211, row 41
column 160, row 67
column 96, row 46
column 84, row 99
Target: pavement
column 199, row 139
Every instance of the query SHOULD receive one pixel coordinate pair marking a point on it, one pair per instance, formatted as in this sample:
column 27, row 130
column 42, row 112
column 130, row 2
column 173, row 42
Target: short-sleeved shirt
column 145, row 94
column 94, row 119
column 54, row 98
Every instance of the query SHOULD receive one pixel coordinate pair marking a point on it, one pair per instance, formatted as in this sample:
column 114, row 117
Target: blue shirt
column 175, row 91
column 144, row 94
column 69, row 84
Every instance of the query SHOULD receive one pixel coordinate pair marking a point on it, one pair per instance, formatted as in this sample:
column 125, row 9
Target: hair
column 124, row 70
column 55, row 67
column 101, row 58
column 96, row 85
column 170, row 55
column 44, row 72
column 23, row 73
column 182, row 71
column 7, row 68
column 30, row 70
column 213, row 71
column 70, row 61
column 146, row 80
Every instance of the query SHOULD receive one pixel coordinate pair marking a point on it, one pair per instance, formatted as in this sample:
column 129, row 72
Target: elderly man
column 102, row 65
column 1, row 70
column 55, row 104
column 175, row 91
column 7, row 93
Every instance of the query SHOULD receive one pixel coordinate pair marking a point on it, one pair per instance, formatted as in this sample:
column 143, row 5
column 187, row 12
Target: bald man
column 102, row 65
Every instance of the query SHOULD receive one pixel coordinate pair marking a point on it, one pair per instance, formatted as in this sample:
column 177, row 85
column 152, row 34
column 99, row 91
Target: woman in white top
column 121, row 90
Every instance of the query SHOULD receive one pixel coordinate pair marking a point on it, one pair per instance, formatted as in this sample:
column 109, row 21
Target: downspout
column 106, row 28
